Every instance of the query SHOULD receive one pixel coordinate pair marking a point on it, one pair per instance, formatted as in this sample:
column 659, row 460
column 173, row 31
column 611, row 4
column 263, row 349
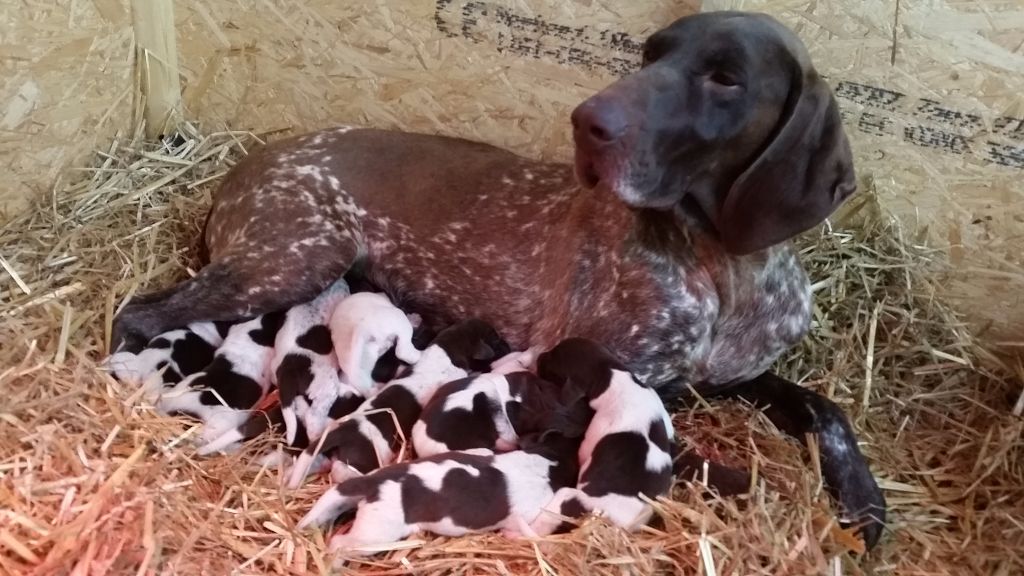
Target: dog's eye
column 649, row 55
column 723, row 79
column 654, row 48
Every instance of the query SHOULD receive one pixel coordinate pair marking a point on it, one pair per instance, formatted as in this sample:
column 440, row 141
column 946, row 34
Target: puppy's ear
column 577, row 418
column 571, row 393
column 482, row 351
column 500, row 347
column 802, row 176
column 546, row 369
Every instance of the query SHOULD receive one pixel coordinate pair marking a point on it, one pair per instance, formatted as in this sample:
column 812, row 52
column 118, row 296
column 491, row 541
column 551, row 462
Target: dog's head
column 727, row 118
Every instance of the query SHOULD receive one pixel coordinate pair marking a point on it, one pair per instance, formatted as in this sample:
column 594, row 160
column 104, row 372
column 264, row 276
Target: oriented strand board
column 65, row 86
column 503, row 71
column 934, row 110
column 935, row 114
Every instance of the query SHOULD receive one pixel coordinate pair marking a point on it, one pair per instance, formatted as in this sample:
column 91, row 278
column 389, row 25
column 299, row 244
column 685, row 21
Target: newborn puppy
column 627, row 448
column 306, row 370
column 169, row 357
column 450, row 494
column 363, row 327
column 260, row 421
column 371, row 437
column 236, row 379
column 493, row 411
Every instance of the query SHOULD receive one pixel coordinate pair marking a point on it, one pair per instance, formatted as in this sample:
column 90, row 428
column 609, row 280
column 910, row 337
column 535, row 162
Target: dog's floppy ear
column 802, row 176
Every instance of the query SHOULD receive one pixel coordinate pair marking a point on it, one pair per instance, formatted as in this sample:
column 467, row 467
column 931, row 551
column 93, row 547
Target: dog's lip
column 589, row 175
column 586, row 170
column 592, row 171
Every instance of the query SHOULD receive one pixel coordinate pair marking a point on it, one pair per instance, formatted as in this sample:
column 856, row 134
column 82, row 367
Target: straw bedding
column 93, row 483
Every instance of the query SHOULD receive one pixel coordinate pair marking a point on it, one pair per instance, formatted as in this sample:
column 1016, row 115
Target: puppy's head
column 728, row 120
column 472, row 345
column 581, row 367
column 546, row 407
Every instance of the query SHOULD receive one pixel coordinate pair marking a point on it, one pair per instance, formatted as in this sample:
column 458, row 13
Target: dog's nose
column 599, row 122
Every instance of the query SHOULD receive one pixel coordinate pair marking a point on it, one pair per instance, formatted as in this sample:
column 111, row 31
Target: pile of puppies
column 509, row 441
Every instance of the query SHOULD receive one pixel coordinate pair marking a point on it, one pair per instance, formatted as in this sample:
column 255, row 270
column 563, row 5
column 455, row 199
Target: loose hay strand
column 90, row 480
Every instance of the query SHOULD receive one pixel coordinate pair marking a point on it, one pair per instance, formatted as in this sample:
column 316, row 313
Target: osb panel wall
column 503, row 71
column 497, row 70
column 935, row 113
column 65, row 85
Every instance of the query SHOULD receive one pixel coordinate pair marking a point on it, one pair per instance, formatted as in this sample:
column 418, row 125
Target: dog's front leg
column 798, row 412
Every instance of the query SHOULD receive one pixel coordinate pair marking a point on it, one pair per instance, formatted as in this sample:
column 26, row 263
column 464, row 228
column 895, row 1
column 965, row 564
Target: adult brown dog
column 668, row 246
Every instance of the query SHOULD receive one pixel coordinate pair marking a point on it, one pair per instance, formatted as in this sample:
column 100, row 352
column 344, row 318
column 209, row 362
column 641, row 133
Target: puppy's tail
column 336, row 501
column 307, row 462
column 310, row 460
column 255, row 424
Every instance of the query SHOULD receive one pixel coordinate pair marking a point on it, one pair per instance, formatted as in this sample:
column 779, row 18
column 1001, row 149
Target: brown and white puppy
column 627, row 450
column 494, row 411
column 371, row 437
column 450, row 494
column 237, row 378
column 169, row 357
column 669, row 248
column 306, row 369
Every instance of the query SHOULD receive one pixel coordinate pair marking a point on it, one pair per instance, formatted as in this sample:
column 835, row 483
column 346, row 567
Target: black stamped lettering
column 866, row 95
column 933, row 110
column 1010, row 127
column 1006, row 155
column 535, row 37
column 876, row 124
column 935, row 138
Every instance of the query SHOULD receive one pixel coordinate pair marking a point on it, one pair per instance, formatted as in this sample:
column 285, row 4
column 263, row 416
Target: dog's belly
column 672, row 328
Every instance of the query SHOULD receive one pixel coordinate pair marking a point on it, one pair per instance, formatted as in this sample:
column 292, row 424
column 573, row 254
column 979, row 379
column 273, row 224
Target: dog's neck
column 661, row 237
column 611, row 258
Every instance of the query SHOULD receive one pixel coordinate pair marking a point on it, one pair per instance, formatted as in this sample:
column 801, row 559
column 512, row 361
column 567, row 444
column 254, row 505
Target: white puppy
column 363, row 327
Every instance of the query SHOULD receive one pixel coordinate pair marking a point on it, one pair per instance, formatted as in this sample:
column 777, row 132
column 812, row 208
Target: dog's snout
column 599, row 122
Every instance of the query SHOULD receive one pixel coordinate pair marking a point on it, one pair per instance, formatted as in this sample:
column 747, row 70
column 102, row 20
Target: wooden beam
column 157, row 58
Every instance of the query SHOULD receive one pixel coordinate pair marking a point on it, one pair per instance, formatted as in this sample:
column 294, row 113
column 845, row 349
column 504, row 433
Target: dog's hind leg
column 241, row 283
column 280, row 231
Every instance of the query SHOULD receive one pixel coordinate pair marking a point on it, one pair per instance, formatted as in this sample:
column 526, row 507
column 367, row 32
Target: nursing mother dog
column 667, row 243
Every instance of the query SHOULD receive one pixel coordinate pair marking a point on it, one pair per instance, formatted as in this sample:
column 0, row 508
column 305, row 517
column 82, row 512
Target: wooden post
column 156, row 56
